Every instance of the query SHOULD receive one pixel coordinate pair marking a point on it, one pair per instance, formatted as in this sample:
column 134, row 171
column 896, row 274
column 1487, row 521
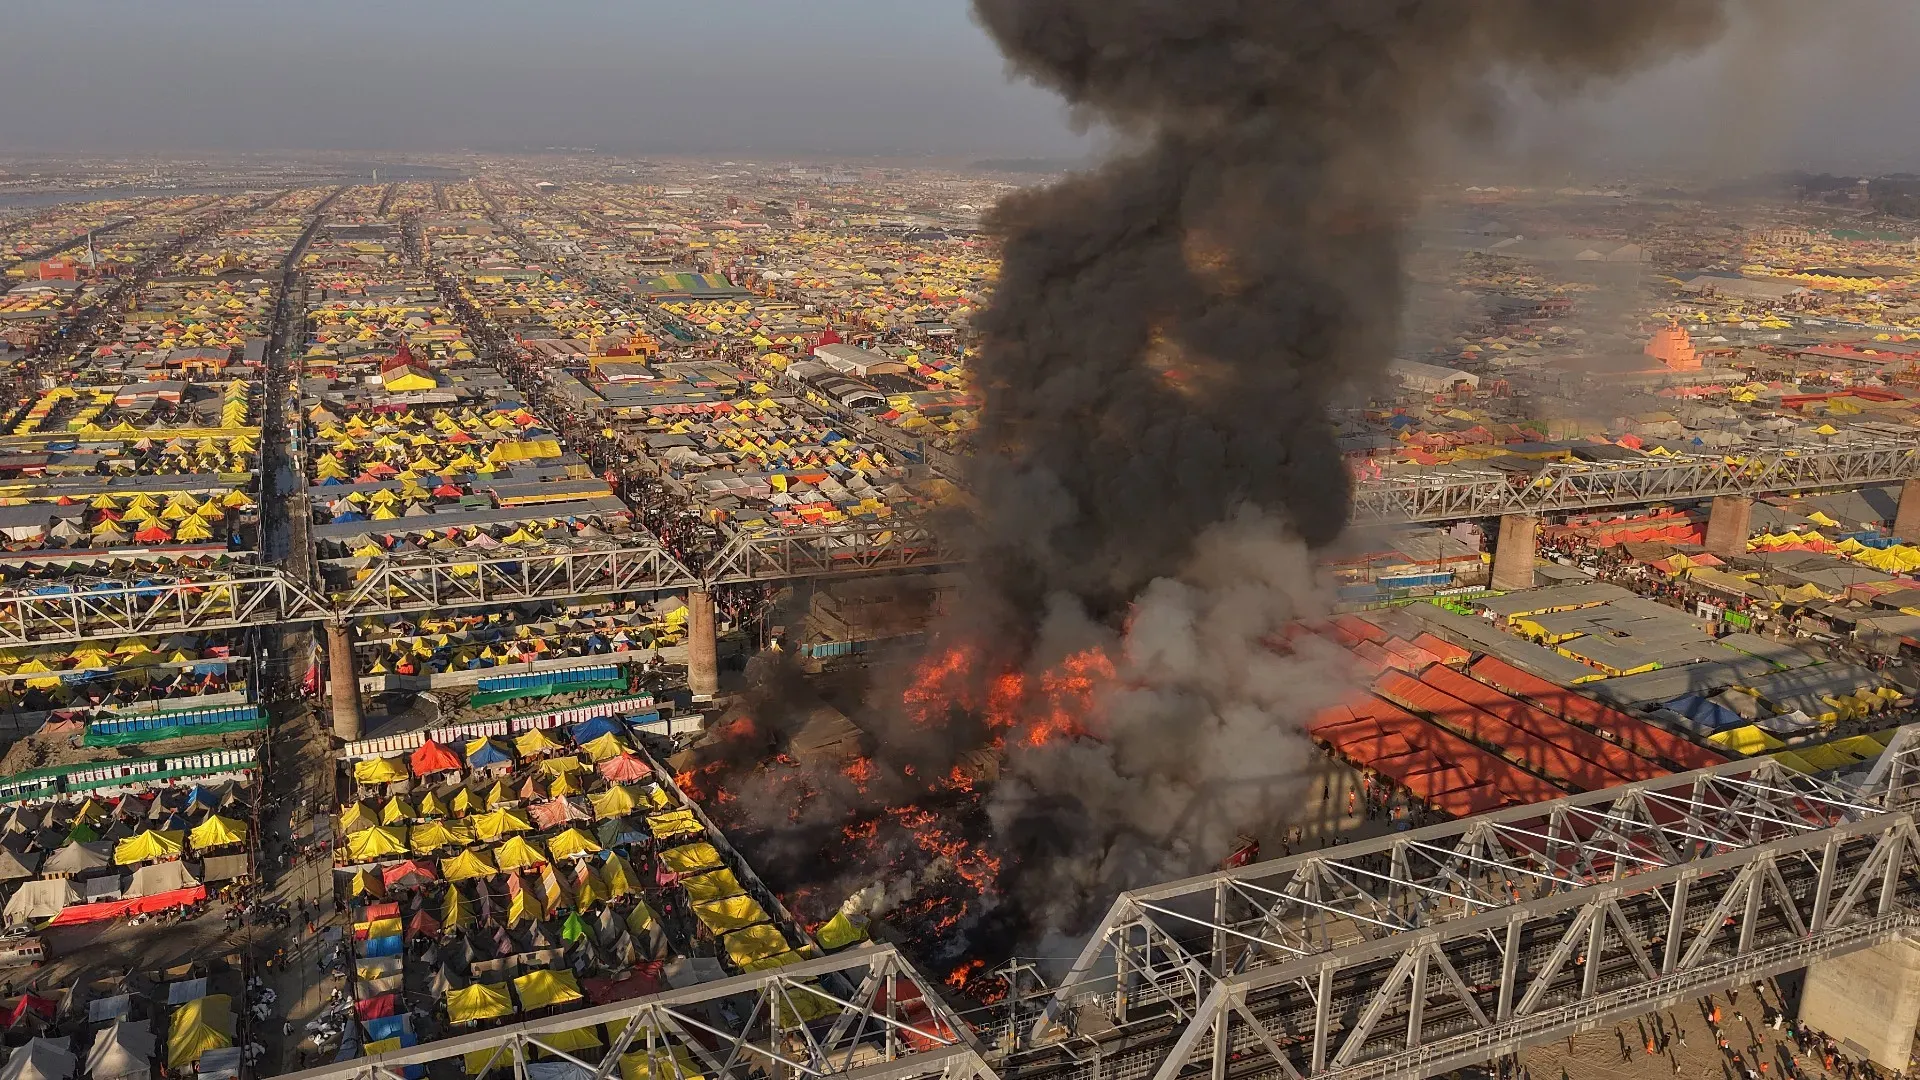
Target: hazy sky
column 891, row 77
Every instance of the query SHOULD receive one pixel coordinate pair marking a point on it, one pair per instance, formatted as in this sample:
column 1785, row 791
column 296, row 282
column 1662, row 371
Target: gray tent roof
column 77, row 857
column 39, row 900
column 121, row 1052
column 39, row 1059
column 14, row 866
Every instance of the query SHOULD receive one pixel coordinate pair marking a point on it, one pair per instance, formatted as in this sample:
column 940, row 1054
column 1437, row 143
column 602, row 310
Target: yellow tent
column 455, row 910
column 712, row 885
column 366, row 883
column 619, row 876
column 535, row 741
column 517, row 853
column 431, row 806
column 149, row 845
column 478, row 1001
column 691, row 858
column 431, row 836
column 1745, row 740
column 377, row 842
column 616, row 800
column 606, row 746
column 558, row 765
column 396, row 810
column 589, row 889
column 500, row 822
column 840, row 932
column 580, row 1038
column 217, row 830
column 733, row 913
column 471, row 863
column 673, row 823
column 661, row 1063
column 542, row 988
column 381, row 770
column 754, row 943
column 198, row 1026
column 571, row 843
column 521, row 907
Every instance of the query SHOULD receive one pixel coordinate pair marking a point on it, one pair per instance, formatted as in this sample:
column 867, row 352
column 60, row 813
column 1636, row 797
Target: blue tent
column 386, row 1027
column 584, row 733
column 488, row 753
column 382, row 946
column 1705, row 713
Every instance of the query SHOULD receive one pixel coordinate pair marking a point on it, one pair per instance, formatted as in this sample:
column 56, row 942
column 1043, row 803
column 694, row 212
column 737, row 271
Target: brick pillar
column 703, row 645
column 1906, row 519
column 342, row 683
column 1729, row 524
column 1514, row 555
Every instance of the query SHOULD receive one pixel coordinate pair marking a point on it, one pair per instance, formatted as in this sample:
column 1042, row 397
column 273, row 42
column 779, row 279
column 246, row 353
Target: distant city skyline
column 823, row 78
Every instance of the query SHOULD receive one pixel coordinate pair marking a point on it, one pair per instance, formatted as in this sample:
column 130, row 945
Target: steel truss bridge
column 857, row 1014
column 1455, row 494
column 1399, row 957
column 1429, row 950
column 59, row 612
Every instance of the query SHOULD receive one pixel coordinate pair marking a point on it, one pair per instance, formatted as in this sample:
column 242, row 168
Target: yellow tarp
column 357, row 816
column 200, row 1025
column 216, row 831
column 501, row 821
column 478, row 1001
column 455, row 910
column 377, row 842
column 381, row 770
column 620, row 878
column 660, row 1063
column 471, row 863
column 153, row 844
column 673, row 823
column 615, row 801
column 535, row 741
column 690, row 858
column 517, row 853
column 431, row 836
column 572, row 843
column 714, row 885
column 606, row 747
column 840, row 932
column 580, row 1038
column 397, row 810
column 754, row 943
column 554, row 766
column 539, row 989
column 732, row 913
column 1745, row 740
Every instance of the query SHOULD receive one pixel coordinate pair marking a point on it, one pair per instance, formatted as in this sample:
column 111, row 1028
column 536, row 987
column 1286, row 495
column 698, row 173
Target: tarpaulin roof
column 690, row 858
column 572, row 843
column 478, row 1001
column 122, row 1052
column 517, row 853
column 535, row 741
column 471, row 863
column 39, row 1059
column 432, row 758
column 216, row 831
column 198, row 1026
column 76, row 857
column 430, row 836
column 484, row 752
column 408, row 873
column 754, row 943
column 625, row 769
column 713, row 885
column 616, row 800
column 152, row 844
column 539, row 989
column 377, row 842
column 384, row 770
column 606, row 747
column 732, row 913
column 500, row 821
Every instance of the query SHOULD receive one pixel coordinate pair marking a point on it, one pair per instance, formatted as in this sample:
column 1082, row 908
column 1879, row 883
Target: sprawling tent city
column 563, row 543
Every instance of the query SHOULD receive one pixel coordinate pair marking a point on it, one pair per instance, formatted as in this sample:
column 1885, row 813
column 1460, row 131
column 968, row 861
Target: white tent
column 39, row 1059
column 36, row 900
column 156, row 878
column 122, row 1052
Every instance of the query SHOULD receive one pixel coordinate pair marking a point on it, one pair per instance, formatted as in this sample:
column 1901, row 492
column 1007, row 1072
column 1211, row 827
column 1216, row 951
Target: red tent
column 388, row 910
column 422, row 923
column 30, row 1003
column 432, row 758
column 407, row 873
column 625, row 769
column 376, row 1007
column 153, row 534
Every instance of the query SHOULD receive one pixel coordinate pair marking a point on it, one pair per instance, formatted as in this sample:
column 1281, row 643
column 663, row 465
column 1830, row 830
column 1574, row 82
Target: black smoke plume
column 1168, row 328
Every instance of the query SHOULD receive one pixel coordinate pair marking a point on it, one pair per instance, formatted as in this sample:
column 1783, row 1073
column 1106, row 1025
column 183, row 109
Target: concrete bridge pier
column 1729, row 524
column 1906, row 519
column 1513, row 555
column 343, row 686
column 1870, row 998
column 703, row 645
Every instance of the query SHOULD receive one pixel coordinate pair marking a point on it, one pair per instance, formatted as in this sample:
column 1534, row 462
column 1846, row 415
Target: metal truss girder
column 1487, row 930
column 420, row 584
column 103, row 611
column 861, row 1015
column 849, row 549
column 1454, row 494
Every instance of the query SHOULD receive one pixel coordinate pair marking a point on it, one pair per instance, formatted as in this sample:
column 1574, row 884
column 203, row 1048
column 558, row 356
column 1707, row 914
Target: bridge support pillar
column 703, row 645
column 1513, row 556
column 1729, row 524
column 1870, row 997
column 343, row 686
column 1906, row 519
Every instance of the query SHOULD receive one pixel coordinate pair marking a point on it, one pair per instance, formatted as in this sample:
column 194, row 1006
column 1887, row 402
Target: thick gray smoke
column 1156, row 366
column 1168, row 328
